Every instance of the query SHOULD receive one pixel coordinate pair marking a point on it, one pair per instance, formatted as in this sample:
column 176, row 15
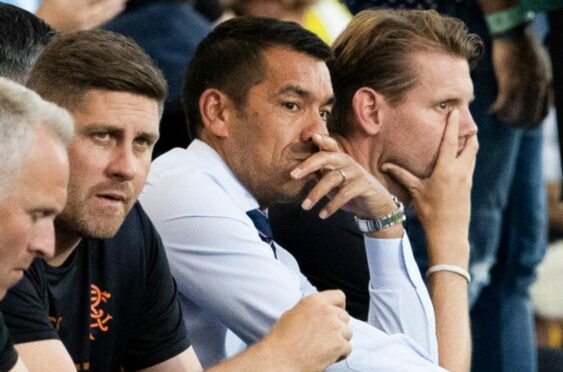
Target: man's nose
column 42, row 243
column 123, row 164
column 316, row 124
column 467, row 126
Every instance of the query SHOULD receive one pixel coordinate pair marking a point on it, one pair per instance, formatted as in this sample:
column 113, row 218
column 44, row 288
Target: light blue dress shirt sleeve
column 228, row 278
column 399, row 299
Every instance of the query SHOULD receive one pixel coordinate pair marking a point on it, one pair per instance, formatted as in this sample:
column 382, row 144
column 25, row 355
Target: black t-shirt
column 113, row 302
column 8, row 355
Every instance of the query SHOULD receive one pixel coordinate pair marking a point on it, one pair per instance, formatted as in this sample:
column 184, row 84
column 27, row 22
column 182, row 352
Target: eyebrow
column 306, row 95
column 329, row 102
column 93, row 127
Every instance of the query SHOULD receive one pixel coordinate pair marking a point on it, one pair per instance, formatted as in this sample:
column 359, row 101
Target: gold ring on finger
column 343, row 175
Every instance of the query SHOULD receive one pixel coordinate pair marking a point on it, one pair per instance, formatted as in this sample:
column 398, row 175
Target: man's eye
column 101, row 136
column 443, row 105
column 143, row 143
column 325, row 114
column 292, row 106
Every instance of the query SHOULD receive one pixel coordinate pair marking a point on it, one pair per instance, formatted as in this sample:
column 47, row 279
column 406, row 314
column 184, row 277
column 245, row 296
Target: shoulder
column 33, row 283
column 135, row 226
column 26, row 305
column 189, row 192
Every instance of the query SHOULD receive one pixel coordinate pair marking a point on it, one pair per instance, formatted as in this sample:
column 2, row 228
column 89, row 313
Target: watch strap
column 391, row 219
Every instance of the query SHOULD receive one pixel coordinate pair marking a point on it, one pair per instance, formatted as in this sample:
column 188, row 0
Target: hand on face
column 347, row 183
column 313, row 334
column 442, row 200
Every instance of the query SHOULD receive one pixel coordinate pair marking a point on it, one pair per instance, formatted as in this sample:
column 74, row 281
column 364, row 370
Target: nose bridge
column 43, row 239
column 315, row 124
column 467, row 125
column 123, row 162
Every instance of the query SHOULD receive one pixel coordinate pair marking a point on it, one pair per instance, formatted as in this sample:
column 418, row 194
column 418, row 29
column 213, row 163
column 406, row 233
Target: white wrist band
column 451, row 268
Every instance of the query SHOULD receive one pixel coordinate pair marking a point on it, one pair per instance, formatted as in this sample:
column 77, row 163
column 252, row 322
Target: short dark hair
column 23, row 37
column 376, row 51
column 75, row 63
column 231, row 59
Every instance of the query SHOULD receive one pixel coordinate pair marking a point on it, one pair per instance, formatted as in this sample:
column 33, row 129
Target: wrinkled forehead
column 440, row 72
column 285, row 67
column 118, row 110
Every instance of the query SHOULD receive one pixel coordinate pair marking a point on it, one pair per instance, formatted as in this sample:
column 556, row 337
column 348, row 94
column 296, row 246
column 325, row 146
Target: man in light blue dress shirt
column 257, row 97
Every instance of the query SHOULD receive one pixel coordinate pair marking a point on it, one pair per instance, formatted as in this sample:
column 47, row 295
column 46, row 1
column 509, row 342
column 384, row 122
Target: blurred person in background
column 72, row 15
column 326, row 18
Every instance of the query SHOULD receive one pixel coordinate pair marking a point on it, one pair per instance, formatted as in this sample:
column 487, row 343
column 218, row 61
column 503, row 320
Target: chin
column 96, row 227
column 105, row 230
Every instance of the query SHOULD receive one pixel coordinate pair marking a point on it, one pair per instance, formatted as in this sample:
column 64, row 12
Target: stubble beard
column 85, row 221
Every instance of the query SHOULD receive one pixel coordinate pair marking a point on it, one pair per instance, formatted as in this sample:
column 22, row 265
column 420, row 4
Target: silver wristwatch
column 393, row 218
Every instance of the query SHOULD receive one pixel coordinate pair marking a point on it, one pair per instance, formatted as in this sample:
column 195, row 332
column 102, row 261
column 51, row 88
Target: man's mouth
column 113, row 197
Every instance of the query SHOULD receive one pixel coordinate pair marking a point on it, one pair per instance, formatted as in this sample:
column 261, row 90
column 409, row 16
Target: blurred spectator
column 288, row 10
column 326, row 18
column 548, row 306
column 210, row 9
column 554, row 11
column 72, row 15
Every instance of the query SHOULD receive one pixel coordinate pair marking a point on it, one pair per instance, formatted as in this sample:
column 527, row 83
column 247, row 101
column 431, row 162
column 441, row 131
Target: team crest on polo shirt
column 98, row 315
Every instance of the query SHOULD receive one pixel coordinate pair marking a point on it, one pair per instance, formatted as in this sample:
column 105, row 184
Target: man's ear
column 215, row 109
column 367, row 104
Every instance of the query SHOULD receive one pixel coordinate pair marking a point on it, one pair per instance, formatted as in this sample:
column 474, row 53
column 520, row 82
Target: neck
column 229, row 158
column 66, row 241
column 366, row 151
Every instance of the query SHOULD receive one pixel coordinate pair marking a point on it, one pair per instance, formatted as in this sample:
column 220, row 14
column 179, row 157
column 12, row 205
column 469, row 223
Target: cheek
column 83, row 163
column 143, row 167
column 428, row 150
column 14, row 238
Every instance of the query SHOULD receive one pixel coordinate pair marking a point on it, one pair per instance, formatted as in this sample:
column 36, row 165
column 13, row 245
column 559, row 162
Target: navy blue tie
column 261, row 223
